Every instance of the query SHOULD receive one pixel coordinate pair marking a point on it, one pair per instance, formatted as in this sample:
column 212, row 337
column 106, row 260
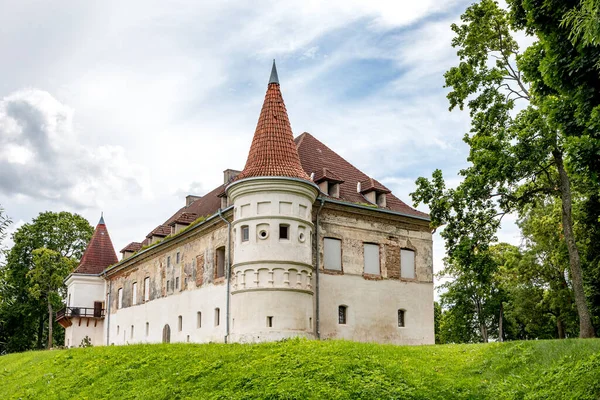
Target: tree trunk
column 50, row 323
column 482, row 327
column 560, row 328
column 40, row 330
column 500, row 328
column 586, row 329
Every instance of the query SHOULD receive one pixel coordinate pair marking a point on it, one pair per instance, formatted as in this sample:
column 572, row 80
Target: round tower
column 272, row 292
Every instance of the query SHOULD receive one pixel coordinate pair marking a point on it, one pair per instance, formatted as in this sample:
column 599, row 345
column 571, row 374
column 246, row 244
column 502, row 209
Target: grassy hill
column 300, row 369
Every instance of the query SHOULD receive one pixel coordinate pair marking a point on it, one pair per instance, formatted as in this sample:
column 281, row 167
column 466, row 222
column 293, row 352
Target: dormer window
column 329, row 182
column 373, row 191
column 333, row 190
column 381, row 200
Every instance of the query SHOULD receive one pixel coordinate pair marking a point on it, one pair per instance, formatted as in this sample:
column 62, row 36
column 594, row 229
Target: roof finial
column 274, row 78
column 101, row 222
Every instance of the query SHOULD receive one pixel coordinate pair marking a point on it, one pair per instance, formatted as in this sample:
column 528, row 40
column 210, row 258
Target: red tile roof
column 273, row 152
column 133, row 247
column 371, row 184
column 326, row 174
column 185, row 218
column 161, row 230
column 99, row 253
column 315, row 156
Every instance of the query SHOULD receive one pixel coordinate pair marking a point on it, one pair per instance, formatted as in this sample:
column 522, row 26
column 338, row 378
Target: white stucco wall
column 82, row 291
column 372, row 313
column 272, row 276
column 166, row 310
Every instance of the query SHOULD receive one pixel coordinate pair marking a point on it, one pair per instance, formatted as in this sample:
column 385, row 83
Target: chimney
column 229, row 175
column 190, row 198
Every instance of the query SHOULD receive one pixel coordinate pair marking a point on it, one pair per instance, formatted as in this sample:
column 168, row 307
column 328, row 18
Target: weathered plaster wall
column 373, row 301
column 199, row 291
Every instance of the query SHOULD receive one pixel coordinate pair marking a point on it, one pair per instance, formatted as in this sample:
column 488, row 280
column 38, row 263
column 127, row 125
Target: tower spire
column 274, row 78
column 101, row 222
column 273, row 151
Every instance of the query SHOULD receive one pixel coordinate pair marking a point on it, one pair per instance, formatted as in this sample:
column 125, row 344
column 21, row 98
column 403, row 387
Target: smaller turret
column 83, row 317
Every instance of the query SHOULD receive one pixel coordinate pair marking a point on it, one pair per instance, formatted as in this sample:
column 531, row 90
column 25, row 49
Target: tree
column 24, row 316
column 529, row 113
column 46, row 278
column 4, row 223
column 584, row 23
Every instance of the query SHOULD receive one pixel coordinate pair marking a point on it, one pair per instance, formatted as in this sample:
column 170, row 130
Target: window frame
column 120, row 298
column 414, row 269
column 341, row 253
column 220, row 262
column 401, row 318
column 342, row 314
column 365, row 246
column 146, row 289
column 287, row 229
column 134, row 293
column 245, row 232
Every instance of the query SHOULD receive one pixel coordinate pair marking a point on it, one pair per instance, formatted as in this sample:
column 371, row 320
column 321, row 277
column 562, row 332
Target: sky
column 127, row 107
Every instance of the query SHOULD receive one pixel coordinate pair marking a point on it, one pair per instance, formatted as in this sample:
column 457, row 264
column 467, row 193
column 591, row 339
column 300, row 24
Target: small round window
column 263, row 234
column 301, row 237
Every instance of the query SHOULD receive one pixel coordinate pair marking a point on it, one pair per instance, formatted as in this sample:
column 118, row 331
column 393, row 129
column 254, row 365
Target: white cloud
column 168, row 94
column 41, row 157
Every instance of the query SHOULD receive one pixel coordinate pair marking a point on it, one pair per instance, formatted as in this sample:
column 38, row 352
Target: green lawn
column 301, row 369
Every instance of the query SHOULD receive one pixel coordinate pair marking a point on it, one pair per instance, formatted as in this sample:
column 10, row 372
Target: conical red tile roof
column 273, row 151
column 99, row 253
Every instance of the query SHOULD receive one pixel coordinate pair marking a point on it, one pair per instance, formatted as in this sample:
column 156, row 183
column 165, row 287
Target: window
column 198, row 320
column 269, row 322
column 69, row 301
column 177, row 283
column 118, row 329
column 371, row 258
column 168, row 284
column 342, row 315
column 220, row 262
column 180, row 323
column 284, row 231
column 245, row 233
column 120, row 298
column 333, row 189
column 147, row 329
column 168, row 261
column 332, row 251
column 177, row 258
column 401, row 318
column 147, row 289
column 134, row 294
column 217, row 317
column 131, row 331
column 407, row 264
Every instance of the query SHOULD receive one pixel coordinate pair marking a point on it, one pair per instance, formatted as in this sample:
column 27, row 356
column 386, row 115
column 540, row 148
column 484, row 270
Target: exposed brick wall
column 199, row 269
column 392, row 261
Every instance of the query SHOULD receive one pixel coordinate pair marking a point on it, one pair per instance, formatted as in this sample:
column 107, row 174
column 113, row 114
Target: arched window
column 180, row 323
column 342, row 315
column 220, row 262
column 401, row 314
column 166, row 336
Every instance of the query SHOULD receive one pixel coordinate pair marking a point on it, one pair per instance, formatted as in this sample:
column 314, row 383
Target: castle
column 298, row 243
